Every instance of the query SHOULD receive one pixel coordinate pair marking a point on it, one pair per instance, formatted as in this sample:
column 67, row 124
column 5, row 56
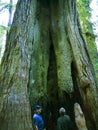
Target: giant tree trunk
column 46, row 63
column 15, row 111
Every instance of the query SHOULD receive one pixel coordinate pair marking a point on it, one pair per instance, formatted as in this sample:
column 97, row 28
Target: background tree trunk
column 10, row 13
column 46, row 62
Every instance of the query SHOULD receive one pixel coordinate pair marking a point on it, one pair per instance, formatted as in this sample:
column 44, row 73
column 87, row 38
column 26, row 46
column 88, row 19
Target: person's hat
column 62, row 110
column 37, row 107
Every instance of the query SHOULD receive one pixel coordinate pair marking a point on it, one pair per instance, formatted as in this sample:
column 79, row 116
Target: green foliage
column 87, row 31
column 4, row 29
column 85, row 14
column 4, row 6
column 2, row 34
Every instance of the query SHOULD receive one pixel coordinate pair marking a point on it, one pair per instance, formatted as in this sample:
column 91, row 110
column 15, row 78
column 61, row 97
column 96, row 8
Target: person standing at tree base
column 64, row 121
column 38, row 122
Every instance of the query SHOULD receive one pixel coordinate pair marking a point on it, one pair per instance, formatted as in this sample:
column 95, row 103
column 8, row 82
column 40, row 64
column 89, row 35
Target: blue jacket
column 38, row 121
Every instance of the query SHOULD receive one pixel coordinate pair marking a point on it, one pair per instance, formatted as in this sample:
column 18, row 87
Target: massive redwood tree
column 46, row 62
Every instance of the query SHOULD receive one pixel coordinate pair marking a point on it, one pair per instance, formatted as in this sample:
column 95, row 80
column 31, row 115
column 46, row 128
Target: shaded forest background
column 84, row 11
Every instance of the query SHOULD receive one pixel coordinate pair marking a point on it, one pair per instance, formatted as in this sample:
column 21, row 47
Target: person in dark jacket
column 64, row 121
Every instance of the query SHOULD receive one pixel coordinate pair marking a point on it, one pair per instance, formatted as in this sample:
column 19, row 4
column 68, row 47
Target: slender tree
column 46, row 62
column 10, row 13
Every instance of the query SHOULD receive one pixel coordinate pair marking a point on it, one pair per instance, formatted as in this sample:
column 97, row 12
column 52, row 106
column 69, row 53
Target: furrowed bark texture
column 46, row 63
column 15, row 111
column 85, row 77
column 68, row 49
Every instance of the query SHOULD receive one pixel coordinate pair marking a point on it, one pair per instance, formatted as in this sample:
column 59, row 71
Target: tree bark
column 46, row 62
column 15, row 111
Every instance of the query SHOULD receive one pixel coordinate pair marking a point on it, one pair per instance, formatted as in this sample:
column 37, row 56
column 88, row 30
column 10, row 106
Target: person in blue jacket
column 38, row 122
